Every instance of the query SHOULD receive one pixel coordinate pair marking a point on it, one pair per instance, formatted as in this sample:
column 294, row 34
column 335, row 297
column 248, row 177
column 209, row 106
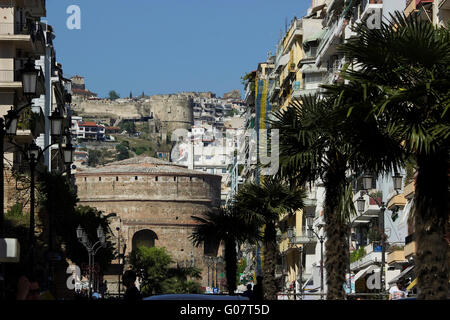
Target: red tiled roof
column 88, row 124
column 81, row 91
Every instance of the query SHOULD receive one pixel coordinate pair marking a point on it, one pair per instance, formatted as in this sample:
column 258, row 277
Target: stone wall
column 162, row 203
column 173, row 110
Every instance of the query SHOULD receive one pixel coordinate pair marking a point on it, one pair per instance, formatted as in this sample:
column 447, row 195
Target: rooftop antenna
column 285, row 24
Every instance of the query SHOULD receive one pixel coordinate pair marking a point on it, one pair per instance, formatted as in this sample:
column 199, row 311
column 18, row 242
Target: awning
column 363, row 272
column 311, row 68
column 317, row 36
column 401, row 275
column 412, row 284
column 283, row 60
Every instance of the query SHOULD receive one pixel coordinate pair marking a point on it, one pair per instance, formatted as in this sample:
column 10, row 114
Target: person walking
column 396, row 292
column 132, row 293
column 249, row 292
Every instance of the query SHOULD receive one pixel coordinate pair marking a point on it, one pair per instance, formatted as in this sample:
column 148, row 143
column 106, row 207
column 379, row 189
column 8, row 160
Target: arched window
column 144, row 238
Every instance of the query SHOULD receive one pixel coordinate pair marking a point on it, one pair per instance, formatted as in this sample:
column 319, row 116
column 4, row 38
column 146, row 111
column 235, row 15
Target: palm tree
column 317, row 141
column 265, row 202
column 405, row 66
column 229, row 227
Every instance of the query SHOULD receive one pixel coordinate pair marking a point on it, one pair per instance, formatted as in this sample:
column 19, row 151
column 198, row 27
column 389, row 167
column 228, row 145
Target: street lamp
column 56, row 123
column 68, row 153
column 292, row 244
column 29, row 79
column 91, row 248
column 397, row 180
column 367, row 183
column 209, row 260
column 311, row 234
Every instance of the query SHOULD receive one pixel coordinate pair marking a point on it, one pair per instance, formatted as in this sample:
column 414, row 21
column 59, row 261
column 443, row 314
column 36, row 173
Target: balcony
column 373, row 255
column 410, row 246
column 328, row 45
column 10, row 79
column 295, row 32
column 301, row 237
column 396, row 256
column 36, row 8
column 28, row 36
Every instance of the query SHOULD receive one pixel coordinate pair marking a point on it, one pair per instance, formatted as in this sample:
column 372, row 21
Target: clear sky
column 168, row 46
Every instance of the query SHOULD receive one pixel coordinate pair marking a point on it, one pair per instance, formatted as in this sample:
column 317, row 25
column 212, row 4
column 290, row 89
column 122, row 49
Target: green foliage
column 113, row 95
column 122, row 150
column 141, row 150
column 357, row 254
column 93, row 158
column 129, row 127
column 240, row 269
column 153, row 266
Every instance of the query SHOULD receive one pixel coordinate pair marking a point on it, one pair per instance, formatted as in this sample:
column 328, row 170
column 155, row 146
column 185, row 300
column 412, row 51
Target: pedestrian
column 258, row 293
column 249, row 292
column 132, row 293
column 396, row 292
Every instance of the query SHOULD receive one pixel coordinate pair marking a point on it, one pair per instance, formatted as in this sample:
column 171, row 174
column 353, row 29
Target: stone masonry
column 153, row 195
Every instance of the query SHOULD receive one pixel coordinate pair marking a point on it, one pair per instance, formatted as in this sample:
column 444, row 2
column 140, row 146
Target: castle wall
column 174, row 111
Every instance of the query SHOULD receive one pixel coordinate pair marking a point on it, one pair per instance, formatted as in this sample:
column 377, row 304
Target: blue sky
column 168, row 46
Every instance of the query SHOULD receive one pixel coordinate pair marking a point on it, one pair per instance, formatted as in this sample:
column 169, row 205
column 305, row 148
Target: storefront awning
column 363, row 272
column 401, row 275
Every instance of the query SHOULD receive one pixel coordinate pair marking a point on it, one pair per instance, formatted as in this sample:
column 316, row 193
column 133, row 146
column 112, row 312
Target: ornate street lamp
column 91, row 248
column 11, row 120
column 367, row 181
column 29, row 79
column 361, row 204
column 68, row 153
column 56, row 124
column 311, row 234
column 292, row 244
column 397, row 180
column 33, row 152
column 80, row 232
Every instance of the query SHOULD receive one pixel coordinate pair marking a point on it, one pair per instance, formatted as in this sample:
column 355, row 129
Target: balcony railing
column 373, row 254
column 301, row 236
column 8, row 75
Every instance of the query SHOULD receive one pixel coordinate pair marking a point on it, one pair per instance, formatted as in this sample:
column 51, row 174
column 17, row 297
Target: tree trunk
column 231, row 265
column 336, row 229
column 431, row 216
column 268, row 270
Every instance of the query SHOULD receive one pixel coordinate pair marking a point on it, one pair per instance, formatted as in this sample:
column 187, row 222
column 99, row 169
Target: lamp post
column 91, row 248
column 209, row 260
column 293, row 244
column 32, row 155
column 8, row 125
column 361, row 202
column 311, row 233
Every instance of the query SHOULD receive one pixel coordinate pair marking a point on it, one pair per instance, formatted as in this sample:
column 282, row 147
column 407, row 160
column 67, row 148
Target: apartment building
column 435, row 11
column 22, row 40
